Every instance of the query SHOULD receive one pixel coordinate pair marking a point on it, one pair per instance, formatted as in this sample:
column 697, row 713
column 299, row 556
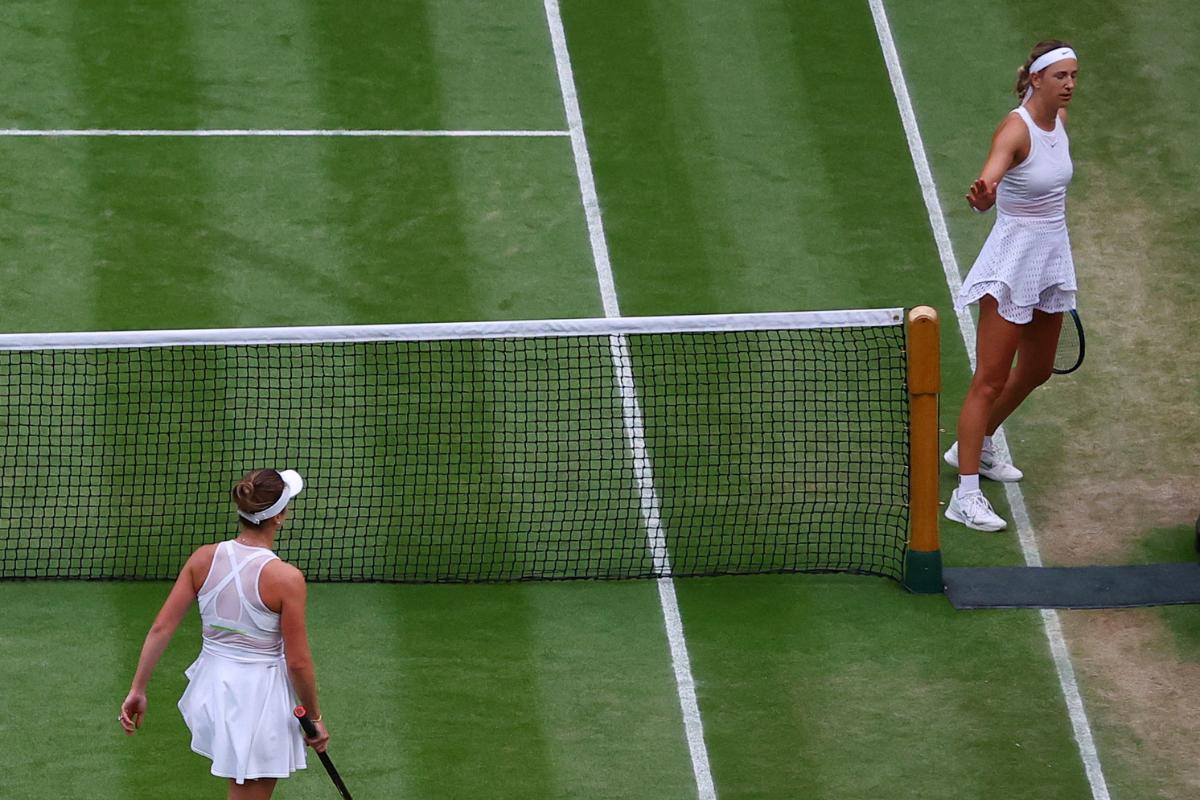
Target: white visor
column 293, row 485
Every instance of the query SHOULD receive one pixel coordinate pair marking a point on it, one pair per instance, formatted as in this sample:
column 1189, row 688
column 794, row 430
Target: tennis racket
column 1069, row 355
column 310, row 730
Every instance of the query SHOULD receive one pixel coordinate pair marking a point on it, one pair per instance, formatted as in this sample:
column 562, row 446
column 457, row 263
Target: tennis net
column 606, row 448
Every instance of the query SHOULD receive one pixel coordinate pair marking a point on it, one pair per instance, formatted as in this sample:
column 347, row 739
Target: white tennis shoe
column 973, row 510
column 990, row 465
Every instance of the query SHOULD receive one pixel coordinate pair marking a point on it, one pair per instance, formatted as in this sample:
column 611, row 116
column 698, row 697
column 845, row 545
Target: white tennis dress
column 1026, row 261
column 239, row 700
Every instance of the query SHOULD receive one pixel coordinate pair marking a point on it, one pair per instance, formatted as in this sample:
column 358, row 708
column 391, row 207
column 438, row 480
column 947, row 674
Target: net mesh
column 589, row 456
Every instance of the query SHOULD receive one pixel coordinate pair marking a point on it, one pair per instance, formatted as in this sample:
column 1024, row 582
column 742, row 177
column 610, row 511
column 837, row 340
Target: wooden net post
column 923, row 563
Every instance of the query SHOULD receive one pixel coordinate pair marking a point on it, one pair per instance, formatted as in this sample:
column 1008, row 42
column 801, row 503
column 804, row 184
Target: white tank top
column 1037, row 187
column 236, row 623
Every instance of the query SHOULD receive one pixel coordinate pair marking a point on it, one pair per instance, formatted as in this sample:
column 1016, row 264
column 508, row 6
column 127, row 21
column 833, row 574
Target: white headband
column 293, row 484
column 1046, row 59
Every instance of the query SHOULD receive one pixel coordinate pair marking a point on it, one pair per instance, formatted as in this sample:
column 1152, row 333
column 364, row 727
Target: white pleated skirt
column 240, row 716
column 1026, row 264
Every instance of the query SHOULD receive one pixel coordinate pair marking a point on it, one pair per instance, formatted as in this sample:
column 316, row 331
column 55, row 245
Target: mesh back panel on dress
column 231, row 609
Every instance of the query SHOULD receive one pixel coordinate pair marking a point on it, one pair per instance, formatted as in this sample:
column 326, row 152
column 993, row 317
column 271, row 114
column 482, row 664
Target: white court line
column 1016, row 500
column 268, row 132
column 633, row 421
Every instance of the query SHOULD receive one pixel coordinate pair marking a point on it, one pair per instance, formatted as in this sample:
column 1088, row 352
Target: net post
column 923, row 562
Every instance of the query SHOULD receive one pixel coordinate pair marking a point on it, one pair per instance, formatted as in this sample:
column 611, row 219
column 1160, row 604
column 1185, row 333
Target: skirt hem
column 244, row 778
column 1056, row 298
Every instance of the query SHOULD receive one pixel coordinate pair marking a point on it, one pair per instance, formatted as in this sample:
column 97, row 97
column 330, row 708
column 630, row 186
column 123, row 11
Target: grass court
column 746, row 157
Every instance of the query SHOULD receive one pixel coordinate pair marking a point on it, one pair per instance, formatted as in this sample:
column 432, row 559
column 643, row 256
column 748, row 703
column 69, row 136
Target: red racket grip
column 310, row 730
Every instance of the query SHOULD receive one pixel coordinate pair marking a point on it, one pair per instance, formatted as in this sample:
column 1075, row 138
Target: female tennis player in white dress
column 255, row 660
column 1024, row 277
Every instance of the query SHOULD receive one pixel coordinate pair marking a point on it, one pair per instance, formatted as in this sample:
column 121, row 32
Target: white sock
column 968, row 484
column 987, row 443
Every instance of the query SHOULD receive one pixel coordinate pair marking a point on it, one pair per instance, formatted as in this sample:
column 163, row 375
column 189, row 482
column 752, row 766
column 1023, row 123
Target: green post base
column 923, row 572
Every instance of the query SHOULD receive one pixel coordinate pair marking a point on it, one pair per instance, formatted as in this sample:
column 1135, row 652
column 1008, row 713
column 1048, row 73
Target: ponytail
column 1024, row 79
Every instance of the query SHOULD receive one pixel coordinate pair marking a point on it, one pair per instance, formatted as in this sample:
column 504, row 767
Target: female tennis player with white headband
column 1024, row 277
column 255, row 659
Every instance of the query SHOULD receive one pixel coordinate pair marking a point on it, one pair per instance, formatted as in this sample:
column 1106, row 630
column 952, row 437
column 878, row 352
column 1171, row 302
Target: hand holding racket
column 311, row 732
column 1069, row 355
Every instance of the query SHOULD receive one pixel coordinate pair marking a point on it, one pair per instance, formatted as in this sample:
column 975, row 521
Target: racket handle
column 310, row 730
column 306, row 723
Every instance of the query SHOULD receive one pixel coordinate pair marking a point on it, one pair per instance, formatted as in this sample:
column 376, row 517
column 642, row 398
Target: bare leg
column 995, row 347
column 259, row 789
column 1035, row 364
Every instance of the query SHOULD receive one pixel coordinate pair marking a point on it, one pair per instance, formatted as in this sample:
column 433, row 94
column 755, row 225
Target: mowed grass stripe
column 44, row 190
column 37, row 36
column 134, row 67
column 281, row 245
column 66, row 673
column 361, row 75
column 460, row 663
column 607, row 693
column 745, row 194
column 146, row 219
column 502, row 691
column 254, row 64
column 48, row 251
column 362, row 667
column 300, row 232
column 278, row 260
column 844, row 687
column 63, row 656
column 433, row 230
column 417, row 219
column 633, row 422
column 635, row 154
column 453, row 685
column 493, row 66
column 393, row 55
column 147, row 213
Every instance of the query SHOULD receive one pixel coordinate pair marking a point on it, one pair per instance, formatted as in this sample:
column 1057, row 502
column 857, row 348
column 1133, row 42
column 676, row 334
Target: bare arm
column 182, row 595
column 288, row 584
column 1010, row 146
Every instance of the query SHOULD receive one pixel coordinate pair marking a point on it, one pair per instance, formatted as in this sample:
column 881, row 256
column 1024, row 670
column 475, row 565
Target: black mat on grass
column 1073, row 587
